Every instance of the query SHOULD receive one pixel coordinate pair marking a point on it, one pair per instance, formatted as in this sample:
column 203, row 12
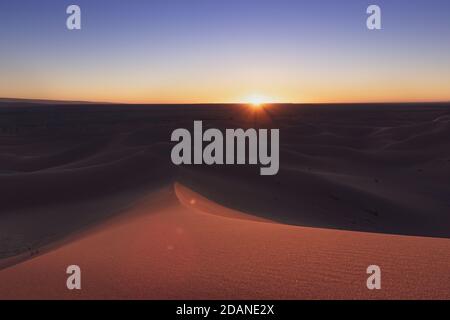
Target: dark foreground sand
column 94, row 186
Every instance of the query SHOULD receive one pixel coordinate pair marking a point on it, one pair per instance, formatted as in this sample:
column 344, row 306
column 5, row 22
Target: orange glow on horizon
column 275, row 91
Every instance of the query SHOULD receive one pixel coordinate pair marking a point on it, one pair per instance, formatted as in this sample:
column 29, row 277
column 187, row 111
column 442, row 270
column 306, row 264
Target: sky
column 220, row 51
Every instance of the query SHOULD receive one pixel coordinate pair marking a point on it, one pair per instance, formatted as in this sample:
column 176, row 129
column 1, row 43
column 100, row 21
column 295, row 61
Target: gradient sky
column 164, row 51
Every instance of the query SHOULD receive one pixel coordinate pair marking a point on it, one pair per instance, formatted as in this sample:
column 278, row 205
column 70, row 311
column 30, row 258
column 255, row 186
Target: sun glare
column 256, row 104
column 256, row 101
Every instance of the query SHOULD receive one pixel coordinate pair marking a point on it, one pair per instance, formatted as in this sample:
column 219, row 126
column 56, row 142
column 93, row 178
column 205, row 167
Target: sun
column 256, row 101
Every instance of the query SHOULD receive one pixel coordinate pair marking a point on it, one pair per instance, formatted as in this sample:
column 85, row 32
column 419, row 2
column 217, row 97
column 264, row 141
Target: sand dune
column 180, row 245
column 74, row 181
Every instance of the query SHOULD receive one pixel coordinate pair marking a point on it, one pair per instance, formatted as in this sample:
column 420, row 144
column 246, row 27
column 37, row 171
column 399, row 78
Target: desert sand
column 93, row 185
column 179, row 245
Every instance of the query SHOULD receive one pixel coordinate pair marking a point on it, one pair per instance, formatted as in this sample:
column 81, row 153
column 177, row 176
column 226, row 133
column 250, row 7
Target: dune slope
column 179, row 245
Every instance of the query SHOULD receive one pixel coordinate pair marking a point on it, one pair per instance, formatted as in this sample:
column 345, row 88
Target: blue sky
column 225, row 51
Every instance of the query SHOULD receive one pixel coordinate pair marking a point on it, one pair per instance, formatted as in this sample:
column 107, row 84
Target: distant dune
column 96, row 187
column 42, row 101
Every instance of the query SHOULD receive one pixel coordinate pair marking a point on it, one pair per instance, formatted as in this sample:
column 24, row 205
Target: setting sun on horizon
column 257, row 101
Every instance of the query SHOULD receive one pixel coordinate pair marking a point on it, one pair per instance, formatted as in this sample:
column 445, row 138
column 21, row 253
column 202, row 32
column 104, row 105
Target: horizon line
column 43, row 100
